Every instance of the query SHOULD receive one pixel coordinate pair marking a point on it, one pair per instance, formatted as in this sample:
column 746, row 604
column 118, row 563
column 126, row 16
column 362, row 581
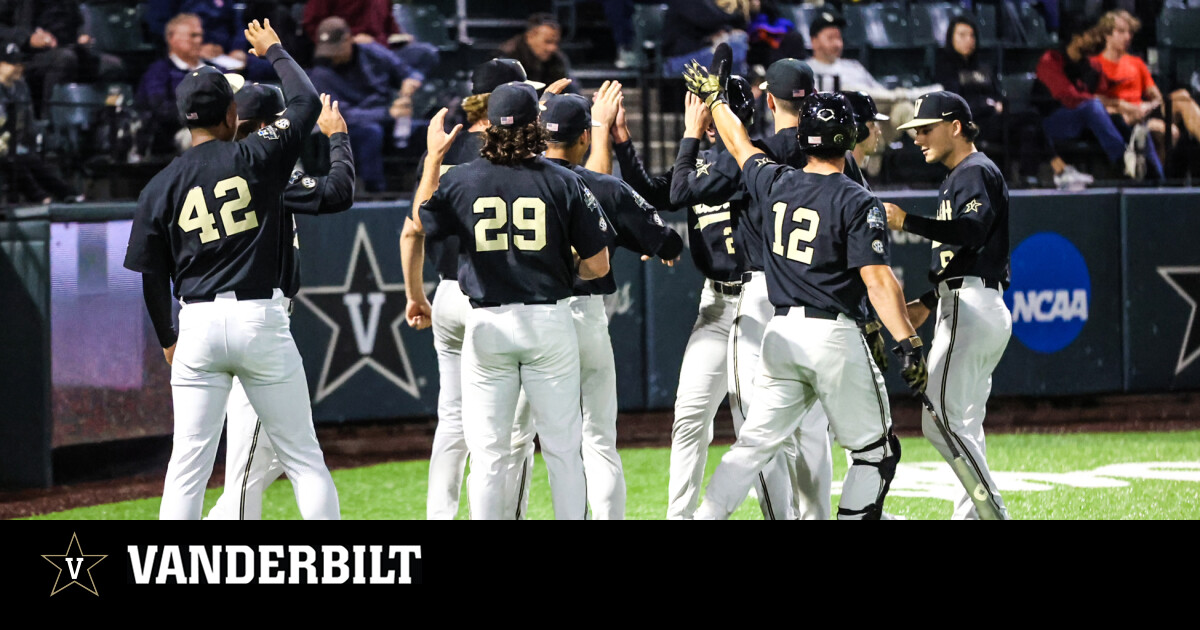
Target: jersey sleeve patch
column 972, row 206
column 283, row 124
column 877, row 246
column 308, row 182
column 590, row 200
column 268, row 132
column 876, row 219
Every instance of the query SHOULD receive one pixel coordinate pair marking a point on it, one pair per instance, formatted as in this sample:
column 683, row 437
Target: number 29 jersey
column 213, row 218
column 818, row 230
column 516, row 227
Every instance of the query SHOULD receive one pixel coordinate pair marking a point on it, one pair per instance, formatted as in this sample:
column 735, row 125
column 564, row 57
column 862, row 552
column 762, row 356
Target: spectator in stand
column 1065, row 93
column 832, row 72
column 693, row 28
column 958, row 70
column 156, row 93
column 56, row 50
column 619, row 14
column 224, row 34
column 1131, row 90
column 537, row 49
column 373, row 87
column 29, row 177
column 372, row 21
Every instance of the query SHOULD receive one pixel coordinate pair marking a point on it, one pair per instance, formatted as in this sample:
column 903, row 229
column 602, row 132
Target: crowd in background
column 1092, row 89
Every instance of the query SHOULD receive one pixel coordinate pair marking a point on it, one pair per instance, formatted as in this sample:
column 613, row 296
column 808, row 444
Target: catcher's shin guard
column 882, row 455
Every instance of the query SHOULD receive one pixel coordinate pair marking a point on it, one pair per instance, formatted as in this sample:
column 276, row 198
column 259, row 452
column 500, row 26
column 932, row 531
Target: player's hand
column 555, row 88
column 261, row 37
column 620, row 128
column 895, row 216
column 704, row 84
column 330, row 120
column 917, row 313
column 606, row 103
column 41, row 38
column 696, row 118
column 669, row 263
column 873, row 332
column 912, row 363
column 419, row 313
column 169, row 353
column 437, row 140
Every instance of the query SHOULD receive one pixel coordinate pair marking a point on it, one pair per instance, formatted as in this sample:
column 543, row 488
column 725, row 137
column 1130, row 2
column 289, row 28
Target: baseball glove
column 912, row 363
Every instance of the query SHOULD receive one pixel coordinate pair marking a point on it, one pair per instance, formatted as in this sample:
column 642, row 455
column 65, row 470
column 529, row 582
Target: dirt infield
column 142, row 464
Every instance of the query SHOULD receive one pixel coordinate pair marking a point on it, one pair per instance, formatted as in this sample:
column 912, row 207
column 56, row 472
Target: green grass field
column 1061, row 476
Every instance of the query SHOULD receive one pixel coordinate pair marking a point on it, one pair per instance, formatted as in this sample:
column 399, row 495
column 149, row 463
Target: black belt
column 732, row 287
column 481, row 304
column 955, row 284
column 809, row 312
column 240, row 294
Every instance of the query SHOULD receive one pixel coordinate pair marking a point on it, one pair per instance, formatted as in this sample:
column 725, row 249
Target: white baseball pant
column 448, row 458
column 703, row 383
column 250, row 462
column 805, row 360
column 973, row 329
column 505, row 349
column 249, row 339
column 808, row 457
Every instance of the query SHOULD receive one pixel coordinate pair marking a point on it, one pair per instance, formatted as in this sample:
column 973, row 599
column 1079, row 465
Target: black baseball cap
column 938, row 107
column 824, row 20
column 789, row 79
column 203, row 97
column 491, row 74
column 513, row 104
column 10, row 52
column 567, row 116
column 332, row 32
column 256, row 101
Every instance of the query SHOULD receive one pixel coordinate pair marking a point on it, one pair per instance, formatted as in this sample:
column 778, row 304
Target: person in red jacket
column 1071, row 105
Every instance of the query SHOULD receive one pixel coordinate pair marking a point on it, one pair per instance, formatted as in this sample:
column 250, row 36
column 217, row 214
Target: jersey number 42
column 529, row 216
column 195, row 215
column 793, row 250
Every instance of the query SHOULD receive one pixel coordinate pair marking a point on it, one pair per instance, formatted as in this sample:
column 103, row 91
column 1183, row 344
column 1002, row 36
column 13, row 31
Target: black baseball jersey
column 818, row 231
column 516, row 226
column 306, row 194
column 712, row 226
column 970, row 234
column 444, row 254
column 213, row 218
column 633, row 224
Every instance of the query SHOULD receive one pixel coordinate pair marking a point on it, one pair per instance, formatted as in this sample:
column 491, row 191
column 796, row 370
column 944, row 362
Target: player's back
column 517, row 225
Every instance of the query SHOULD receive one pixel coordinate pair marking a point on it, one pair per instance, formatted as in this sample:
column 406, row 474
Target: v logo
column 364, row 336
column 73, row 566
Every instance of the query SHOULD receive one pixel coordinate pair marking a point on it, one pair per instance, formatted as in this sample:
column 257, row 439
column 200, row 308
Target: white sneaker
column 1072, row 179
column 1135, row 153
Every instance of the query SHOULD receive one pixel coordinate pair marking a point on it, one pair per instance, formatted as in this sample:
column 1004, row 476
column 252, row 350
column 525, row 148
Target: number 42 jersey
column 818, row 230
column 516, row 226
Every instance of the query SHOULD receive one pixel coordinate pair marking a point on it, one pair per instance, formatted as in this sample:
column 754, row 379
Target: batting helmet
column 827, row 122
column 741, row 99
column 864, row 110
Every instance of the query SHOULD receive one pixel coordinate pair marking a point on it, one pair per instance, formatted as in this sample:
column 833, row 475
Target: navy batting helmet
column 864, row 110
column 827, row 122
column 741, row 99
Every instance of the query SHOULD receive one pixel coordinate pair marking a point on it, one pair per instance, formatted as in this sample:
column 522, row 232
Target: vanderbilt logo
column 74, row 567
column 364, row 315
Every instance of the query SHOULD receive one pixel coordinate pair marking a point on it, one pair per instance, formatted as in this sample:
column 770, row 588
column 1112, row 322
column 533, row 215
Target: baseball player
column 517, row 217
column 969, row 271
column 448, row 458
column 634, row 225
column 825, row 246
column 250, row 461
column 867, row 118
column 227, row 274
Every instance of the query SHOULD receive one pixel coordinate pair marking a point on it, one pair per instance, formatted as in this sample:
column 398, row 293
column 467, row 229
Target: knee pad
column 887, row 450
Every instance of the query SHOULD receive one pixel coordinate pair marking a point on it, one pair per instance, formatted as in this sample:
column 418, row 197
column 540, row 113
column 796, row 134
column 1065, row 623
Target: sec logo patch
column 308, row 182
column 283, row 123
column 877, row 245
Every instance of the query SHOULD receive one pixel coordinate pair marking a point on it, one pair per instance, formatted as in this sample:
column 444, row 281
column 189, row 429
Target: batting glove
column 873, row 332
column 912, row 363
column 704, row 84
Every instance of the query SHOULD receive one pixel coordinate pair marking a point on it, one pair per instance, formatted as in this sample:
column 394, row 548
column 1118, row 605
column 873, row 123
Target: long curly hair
column 475, row 107
column 507, row 146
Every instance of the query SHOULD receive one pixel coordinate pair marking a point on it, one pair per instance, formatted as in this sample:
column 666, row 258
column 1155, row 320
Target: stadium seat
column 885, row 25
column 425, row 24
column 648, row 27
column 116, row 28
column 72, row 109
column 1033, row 24
column 985, row 15
column 1018, row 91
column 930, row 21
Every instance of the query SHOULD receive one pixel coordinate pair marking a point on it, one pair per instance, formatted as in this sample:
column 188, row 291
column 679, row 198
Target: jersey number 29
column 529, row 215
column 195, row 214
column 793, row 251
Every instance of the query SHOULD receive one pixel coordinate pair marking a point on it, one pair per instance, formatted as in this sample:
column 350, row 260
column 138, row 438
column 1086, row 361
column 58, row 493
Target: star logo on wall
column 74, row 567
column 364, row 314
column 1186, row 281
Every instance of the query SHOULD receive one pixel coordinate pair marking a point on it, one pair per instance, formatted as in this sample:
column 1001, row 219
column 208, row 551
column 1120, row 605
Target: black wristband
column 929, row 299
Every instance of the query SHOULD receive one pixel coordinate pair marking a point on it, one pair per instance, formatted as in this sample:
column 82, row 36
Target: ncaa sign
column 1050, row 292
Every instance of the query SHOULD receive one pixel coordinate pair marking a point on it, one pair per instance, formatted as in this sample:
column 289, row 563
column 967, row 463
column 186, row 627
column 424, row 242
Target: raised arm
column 303, row 103
column 709, row 88
column 412, row 237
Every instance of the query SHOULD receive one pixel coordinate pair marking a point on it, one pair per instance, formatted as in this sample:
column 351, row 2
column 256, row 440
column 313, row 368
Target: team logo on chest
column 364, row 314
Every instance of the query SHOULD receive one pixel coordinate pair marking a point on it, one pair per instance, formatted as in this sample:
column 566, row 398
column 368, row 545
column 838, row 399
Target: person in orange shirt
column 1133, row 94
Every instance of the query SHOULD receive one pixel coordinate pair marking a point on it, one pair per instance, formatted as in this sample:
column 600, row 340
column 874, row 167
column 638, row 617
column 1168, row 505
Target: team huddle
column 520, row 215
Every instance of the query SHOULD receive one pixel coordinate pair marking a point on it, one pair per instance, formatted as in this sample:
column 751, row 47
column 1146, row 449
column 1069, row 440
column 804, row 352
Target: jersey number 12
column 793, row 251
column 195, row 215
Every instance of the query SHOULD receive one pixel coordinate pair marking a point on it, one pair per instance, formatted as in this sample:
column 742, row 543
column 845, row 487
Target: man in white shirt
column 831, row 71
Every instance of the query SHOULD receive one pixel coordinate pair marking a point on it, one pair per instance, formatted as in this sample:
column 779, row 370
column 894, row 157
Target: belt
column 808, row 312
column 239, row 294
column 732, row 287
column 481, row 304
column 955, row 284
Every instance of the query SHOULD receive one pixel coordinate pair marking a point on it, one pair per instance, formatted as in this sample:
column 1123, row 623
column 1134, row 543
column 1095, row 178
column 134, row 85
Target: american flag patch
column 797, row 93
column 814, row 139
column 506, row 120
column 552, row 126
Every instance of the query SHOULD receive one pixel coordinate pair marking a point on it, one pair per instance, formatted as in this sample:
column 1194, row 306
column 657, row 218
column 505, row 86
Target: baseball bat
column 965, row 473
